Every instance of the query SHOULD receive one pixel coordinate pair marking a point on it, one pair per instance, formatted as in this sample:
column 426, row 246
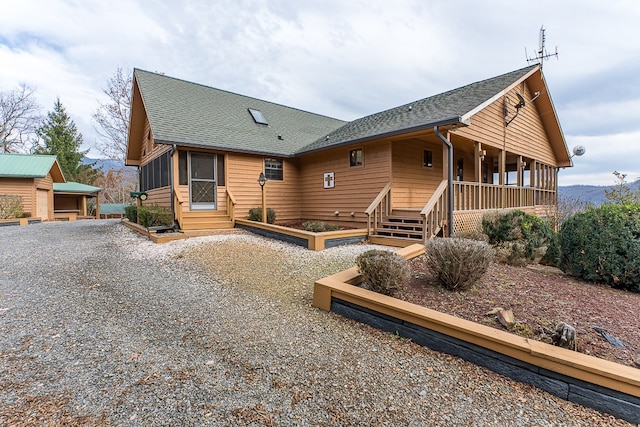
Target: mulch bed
column 297, row 224
column 540, row 297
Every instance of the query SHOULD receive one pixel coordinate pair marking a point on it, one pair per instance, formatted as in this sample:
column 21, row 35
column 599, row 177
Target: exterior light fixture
column 262, row 180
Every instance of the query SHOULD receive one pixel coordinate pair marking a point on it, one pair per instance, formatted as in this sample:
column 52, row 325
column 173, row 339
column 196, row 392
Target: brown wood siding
column 24, row 188
column 413, row 184
column 159, row 196
column 242, row 180
column 355, row 187
column 524, row 136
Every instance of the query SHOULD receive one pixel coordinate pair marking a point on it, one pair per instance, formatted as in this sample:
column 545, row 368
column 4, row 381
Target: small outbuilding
column 71, row 200
column 31, row 177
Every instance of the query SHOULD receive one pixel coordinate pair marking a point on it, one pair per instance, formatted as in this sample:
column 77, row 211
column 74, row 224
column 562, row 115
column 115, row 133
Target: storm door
column 202, row 181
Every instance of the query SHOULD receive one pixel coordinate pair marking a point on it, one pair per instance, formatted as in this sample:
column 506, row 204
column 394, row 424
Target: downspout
column 449, row 179
column 174, row 148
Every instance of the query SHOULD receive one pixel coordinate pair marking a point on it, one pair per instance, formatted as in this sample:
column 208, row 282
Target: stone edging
column 603, row 385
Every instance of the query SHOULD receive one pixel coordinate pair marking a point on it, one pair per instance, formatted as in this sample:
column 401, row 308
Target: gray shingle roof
column 444, row 108
column 187, row 113
column 191, row 114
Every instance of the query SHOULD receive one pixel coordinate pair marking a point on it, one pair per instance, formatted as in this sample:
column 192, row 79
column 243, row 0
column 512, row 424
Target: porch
column 401, row 226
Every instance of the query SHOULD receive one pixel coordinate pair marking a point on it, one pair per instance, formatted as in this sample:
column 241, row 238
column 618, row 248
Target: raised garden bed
column 601, row 384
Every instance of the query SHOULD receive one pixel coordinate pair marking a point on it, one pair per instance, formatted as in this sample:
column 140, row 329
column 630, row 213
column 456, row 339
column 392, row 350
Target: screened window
column 273, row 169
column 427, row 159
column 355, row 157
column 155, row 174
column 183, row 174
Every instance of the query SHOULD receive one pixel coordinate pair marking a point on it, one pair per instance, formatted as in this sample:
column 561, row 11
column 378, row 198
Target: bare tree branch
column 111, row 119
column 19, row 118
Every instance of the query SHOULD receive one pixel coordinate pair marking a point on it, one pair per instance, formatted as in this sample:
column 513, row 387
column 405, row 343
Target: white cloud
column 341, row 58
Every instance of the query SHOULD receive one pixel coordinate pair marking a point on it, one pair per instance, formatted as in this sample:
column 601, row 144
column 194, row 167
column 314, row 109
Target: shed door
column 42, row 204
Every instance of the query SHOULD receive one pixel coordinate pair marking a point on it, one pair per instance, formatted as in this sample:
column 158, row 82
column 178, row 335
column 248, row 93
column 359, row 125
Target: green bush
column 131, row 213
column 383, row 271
column 255, row 214
column 319, row 226
column 155, row 216
column 458, row 263
column 10, row 207
column 521, row 237
column 603, row 245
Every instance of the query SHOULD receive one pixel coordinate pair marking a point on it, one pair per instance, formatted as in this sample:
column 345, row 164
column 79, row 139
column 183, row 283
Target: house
column 425, row 168
column 31, row 177
column 39, row 182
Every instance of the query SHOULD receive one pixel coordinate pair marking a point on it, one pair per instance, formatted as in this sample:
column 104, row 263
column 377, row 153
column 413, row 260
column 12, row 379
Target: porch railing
column 379, row 209
column 231, row 206
column 434, row 213
column 473, row 196
column 178, row 201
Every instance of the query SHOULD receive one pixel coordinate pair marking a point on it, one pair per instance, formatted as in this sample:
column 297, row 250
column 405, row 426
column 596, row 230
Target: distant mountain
column 590, row 193
column 105, row 165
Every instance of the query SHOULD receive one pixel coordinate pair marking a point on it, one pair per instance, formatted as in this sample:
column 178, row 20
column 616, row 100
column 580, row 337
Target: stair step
column 204, row 214
column 412, row 234
column 401, row 226
column 404, row 219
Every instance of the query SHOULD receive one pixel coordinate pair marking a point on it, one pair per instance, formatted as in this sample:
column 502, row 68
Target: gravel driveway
column 98, row 326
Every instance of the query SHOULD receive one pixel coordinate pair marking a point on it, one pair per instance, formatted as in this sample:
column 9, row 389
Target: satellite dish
column 579, row 150
column 521, row 101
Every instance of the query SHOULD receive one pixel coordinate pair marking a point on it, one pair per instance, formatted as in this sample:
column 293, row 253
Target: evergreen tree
column 60, row 137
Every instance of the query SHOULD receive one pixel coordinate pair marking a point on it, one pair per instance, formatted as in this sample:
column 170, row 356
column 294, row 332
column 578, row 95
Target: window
column 258, row 117
column 183, row 174
column 460, row 169
column 427, row 159
column 155, row 174
column 355, row 157
column 273, row 169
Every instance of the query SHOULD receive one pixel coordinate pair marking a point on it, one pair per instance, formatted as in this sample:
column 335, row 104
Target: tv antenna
column 542, row 53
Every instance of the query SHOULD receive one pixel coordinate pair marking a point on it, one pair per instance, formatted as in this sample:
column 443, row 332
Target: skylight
column 258, row 117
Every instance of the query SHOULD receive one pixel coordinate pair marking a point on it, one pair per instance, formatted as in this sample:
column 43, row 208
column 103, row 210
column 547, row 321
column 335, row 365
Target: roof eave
column 200, row 145
column 452, row 121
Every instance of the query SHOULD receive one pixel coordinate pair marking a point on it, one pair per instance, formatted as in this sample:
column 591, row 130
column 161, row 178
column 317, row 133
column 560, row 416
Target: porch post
column 98, row 205
column 520, row 168
column 502, row 160
column 478, row 169
column 84, row 205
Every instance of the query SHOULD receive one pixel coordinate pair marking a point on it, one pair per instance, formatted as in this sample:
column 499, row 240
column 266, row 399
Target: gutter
column 447, row 143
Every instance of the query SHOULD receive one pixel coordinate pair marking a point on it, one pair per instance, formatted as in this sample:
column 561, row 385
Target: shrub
column 319, row 226
column 10, row 207
column 383, row 271
column 155, row 216
column 603, row 245
column 521, row 237
column 131, row 213
column 458, row 263
column 255, row 214
column 472, row 235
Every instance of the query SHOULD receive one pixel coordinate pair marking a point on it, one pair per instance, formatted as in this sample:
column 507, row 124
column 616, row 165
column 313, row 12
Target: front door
column 202, row 181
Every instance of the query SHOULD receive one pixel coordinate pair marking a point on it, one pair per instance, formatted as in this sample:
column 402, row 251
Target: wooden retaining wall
column 600, row 384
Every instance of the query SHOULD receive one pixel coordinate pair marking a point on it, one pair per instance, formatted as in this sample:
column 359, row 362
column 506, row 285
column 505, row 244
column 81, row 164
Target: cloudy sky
column 343, row 58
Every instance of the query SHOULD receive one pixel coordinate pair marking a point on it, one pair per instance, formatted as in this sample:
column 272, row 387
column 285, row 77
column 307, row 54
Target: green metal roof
column 26, row 165
column 112, row 208
column 74, row 187
column 191, row 114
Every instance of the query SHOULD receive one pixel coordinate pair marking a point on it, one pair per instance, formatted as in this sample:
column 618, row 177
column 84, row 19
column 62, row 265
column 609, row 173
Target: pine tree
column 59, row 136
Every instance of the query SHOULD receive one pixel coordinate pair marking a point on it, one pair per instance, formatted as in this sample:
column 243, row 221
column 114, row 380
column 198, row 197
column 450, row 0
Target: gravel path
column 101, row 327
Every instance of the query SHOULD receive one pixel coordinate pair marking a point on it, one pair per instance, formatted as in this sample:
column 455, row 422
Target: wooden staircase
column 202, row 221
column 402, row 224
